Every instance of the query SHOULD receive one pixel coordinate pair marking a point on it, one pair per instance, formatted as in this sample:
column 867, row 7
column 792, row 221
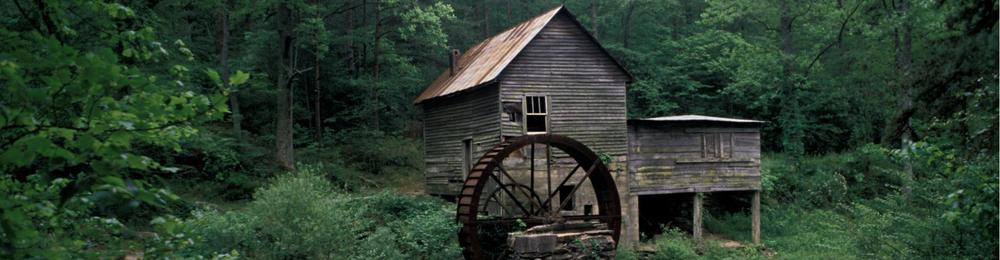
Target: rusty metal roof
column 483, row 62
column 688, row 118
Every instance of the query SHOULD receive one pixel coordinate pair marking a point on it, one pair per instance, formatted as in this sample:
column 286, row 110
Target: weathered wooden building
column 694, row 154
column 548, row 75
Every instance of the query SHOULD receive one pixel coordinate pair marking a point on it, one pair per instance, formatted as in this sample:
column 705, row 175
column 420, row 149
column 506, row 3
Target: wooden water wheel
column 494, row 201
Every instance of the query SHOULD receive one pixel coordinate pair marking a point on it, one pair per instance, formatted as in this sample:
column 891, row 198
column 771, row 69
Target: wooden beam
column 696, row 219
column 755, row 217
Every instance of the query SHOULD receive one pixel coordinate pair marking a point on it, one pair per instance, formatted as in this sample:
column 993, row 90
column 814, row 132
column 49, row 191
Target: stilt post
column 755, row 217
column 696, row 219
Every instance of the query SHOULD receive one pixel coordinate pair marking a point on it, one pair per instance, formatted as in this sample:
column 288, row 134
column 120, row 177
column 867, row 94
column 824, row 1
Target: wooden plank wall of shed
column 448, row 122
column 667, row 159
column 586, row 90
column 586, row 95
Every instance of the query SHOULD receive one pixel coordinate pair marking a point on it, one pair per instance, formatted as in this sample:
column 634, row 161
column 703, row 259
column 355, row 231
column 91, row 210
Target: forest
column 286, row 129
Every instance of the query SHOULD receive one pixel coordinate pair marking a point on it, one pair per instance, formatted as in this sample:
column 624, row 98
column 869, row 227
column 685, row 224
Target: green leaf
column 214, row 76
column 238, row 79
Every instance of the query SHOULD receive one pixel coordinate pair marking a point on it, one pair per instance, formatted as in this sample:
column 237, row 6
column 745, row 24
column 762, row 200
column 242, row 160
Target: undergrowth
column 304, row 215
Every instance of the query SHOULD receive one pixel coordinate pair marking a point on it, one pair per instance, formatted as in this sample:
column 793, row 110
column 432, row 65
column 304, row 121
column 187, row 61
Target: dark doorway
column 566, row 198
column 657, row 212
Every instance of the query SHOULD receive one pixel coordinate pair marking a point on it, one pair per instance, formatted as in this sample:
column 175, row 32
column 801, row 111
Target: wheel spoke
column 548, row 172
column 475, row 204
column 563, row 182
column 576, row 187
column 494, row 196
column 511, row 194
column 532, row 171
column 512, row 180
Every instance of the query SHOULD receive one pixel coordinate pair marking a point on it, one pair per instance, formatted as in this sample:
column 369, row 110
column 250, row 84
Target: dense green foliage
column 162, row 128
column 302, row 215
column 78, row 105
column 852, row 205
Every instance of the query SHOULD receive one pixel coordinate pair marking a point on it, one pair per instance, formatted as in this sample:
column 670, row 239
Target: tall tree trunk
column 318, row 88
column 283, row 134
column 352, row 60
column 486, row 19
column 319, row 118
column 790, row 117
column 904, row 61
column 234, row 101
column 510, row 19
column 593, row 17
column 375, row 64
column 626, row 22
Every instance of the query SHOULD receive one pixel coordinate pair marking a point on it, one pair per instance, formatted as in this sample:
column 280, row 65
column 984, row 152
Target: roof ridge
column 484, row 62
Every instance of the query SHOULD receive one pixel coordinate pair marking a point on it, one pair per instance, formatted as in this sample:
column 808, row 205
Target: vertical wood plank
column 732, row 145
column 755, row 218
column 696, row 219
column 718, row 153
column 704, row 146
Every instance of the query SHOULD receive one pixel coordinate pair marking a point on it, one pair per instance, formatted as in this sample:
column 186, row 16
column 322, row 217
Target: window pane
column 535, row 104
column 536, row 123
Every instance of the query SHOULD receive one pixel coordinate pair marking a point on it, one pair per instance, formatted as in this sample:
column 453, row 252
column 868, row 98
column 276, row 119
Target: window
column 466, row 156
column 513, row 111
column 536, row 114
column 717, row 145
column 565, row 193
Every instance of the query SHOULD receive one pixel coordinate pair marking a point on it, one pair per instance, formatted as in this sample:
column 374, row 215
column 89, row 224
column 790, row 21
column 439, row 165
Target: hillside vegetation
column 285, row 129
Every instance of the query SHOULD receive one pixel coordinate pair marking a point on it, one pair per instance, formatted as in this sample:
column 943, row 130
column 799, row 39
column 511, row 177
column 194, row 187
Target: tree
column 82, row 94
column 284, row 74
column 772, row 27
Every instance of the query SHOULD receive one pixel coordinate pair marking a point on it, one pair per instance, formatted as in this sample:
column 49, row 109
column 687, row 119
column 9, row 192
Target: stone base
column 563, row 241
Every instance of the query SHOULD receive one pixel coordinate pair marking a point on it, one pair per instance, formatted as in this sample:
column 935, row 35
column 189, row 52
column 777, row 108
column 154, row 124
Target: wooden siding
column 674, row 159
column 447, row 122
column 585, row 88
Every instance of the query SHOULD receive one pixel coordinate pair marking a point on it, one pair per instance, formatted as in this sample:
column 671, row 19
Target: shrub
column 674, row 244
column 806, row 182
column 301, row 215
column 626, row 253
column 825, row 181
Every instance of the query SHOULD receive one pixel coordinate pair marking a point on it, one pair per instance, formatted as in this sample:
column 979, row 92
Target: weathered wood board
column 450, row 121
column 672, row 157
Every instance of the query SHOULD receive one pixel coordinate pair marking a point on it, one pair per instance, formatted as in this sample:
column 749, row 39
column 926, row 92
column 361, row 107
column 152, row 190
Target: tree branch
column 49, row 24
column 808, row 9
column 26, row 17
column 840, row 37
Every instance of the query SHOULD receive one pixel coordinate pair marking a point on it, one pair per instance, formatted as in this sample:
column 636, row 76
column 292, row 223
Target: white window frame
column 525, row 113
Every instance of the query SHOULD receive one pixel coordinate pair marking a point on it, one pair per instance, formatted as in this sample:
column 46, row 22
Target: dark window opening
column 466, row 156
column 565, row 193
column 513, row 111
column 536, row 123
column 536, row 114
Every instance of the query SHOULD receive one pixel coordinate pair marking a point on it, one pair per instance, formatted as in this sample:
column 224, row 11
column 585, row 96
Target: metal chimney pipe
column 454, row 61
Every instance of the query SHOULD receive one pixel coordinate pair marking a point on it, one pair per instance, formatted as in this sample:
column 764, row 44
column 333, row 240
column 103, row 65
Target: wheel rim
column 488, row 177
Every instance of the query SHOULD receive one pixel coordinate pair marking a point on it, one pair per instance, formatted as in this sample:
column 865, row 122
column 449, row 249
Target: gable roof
column 485, row 61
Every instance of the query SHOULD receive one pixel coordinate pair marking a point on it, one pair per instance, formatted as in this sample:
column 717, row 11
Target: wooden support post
column 755, row 217
column 696, row 220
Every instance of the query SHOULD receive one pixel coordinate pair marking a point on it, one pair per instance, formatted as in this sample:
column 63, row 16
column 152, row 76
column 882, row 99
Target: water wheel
column 495, row 200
